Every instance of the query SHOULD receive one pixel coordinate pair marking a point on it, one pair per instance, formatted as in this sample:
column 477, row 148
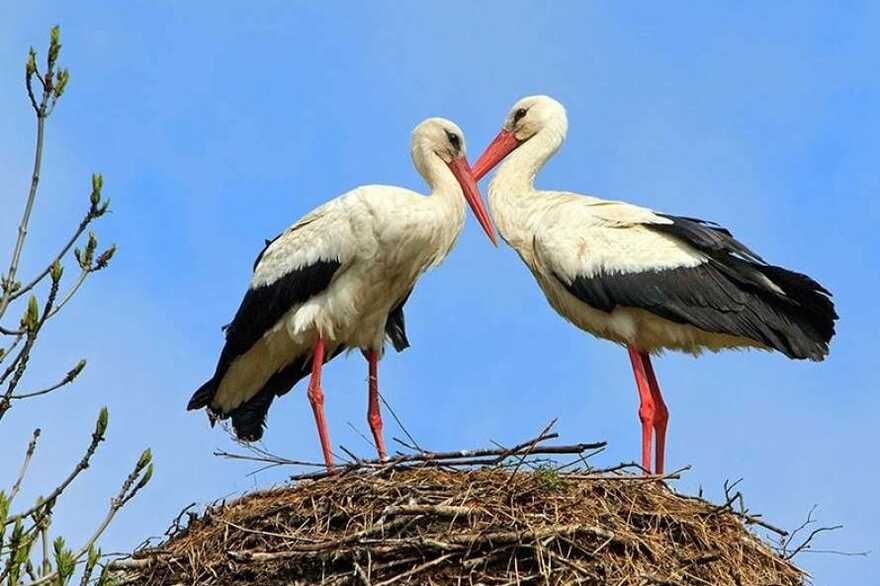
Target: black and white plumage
column 338, row 279
column 732, row 292
column 260, row 310
column 646, row 280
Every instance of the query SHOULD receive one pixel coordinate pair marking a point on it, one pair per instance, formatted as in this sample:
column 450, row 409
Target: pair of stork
column 338, row 279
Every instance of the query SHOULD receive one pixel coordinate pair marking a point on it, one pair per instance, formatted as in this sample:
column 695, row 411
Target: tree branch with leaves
column 27, row 557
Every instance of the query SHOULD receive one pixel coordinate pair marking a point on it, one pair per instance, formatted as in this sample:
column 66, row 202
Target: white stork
column 645, row 280
column 336, row 280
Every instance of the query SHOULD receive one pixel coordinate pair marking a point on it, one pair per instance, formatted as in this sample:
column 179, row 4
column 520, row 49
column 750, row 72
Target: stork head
column 527, row 118
column 441, row 138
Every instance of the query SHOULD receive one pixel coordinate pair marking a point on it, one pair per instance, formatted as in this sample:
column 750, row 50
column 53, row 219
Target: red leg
column 374, row 417
column 646, row 404
column 316, row 398
column 661, row 413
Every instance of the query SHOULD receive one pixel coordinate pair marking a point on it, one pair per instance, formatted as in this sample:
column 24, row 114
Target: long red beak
column 499, row 148
column 464, row 175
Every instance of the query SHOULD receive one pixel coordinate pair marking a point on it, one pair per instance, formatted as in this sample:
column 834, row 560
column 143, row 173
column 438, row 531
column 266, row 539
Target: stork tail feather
column 202, row 397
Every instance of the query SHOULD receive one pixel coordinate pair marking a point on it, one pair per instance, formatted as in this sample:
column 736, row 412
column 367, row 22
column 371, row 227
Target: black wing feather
column 708, row 237
column 395, row 327
column 266, row 244
column 728, row 294
column 262, row 307
column 259, row 311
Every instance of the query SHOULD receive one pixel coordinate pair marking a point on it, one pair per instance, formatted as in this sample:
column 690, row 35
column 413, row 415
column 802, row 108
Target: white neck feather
column 523, row 164
column 512, row 192
column 445, row 189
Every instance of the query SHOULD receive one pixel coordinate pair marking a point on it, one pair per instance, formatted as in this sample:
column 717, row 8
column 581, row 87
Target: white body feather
column 384, row 237
column 563, row 235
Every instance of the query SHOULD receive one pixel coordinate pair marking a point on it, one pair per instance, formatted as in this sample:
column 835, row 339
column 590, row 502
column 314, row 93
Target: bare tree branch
column 32, row 445
column 806, row 544
column 136, row 480
column 21, row 532
column 5, row 352
column 68, row 378
column 91, row 215
column 9, row 279
column 34, row 323
column 97, row 438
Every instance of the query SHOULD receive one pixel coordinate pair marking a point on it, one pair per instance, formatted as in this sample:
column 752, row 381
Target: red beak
column 463, row 174
column 499, row 148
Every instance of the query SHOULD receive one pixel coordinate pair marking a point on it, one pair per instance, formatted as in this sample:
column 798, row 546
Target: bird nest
column 433, row 522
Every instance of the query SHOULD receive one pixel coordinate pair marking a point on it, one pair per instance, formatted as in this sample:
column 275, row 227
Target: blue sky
column 217, row 125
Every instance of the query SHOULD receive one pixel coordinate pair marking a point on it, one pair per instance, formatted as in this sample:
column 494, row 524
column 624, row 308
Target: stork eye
column 519, row 114
column 453, row 140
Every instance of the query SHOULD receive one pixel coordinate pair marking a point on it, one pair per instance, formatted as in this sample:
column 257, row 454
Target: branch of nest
column 474, row 457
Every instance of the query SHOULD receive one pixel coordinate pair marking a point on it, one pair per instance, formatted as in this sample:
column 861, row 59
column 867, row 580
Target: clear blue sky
column 217, row 125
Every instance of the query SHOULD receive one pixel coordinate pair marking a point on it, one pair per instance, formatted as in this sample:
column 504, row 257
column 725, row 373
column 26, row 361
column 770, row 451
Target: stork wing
column 293, row 267
column 708, row 237
column 612, row 254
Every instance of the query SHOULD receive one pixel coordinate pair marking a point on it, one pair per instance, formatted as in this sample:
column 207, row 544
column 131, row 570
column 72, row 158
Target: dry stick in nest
column 450, row 543
column 727, row 507
column 805, row 545
column 452, row 458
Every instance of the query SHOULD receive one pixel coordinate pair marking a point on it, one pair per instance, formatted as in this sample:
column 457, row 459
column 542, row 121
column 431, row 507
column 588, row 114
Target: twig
column 97, row 438
column 674, row 475
column 8, row 351
column 350, row 454
column 15, row 363
column 362, row 576
column 399, row 422
column 440, row 510
column 748, row 518
column 753, row 520
column 21, row 361
column 835, row 552
column 32, row 445
column 655, row 579
column 453, row 542
column 531, row 446
column 142, row 473
column 333, row 544
column 134, row 564
column 80, row 280
column 174, row 527
column 443, row 457
column 543, row 436
column 363, row 437
column 84, row 223
column 9, row 277
column 68, row 378
column 405, row 445
column 417, row 569
column 805, row 545
column 266, row 459
column 44, row 537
